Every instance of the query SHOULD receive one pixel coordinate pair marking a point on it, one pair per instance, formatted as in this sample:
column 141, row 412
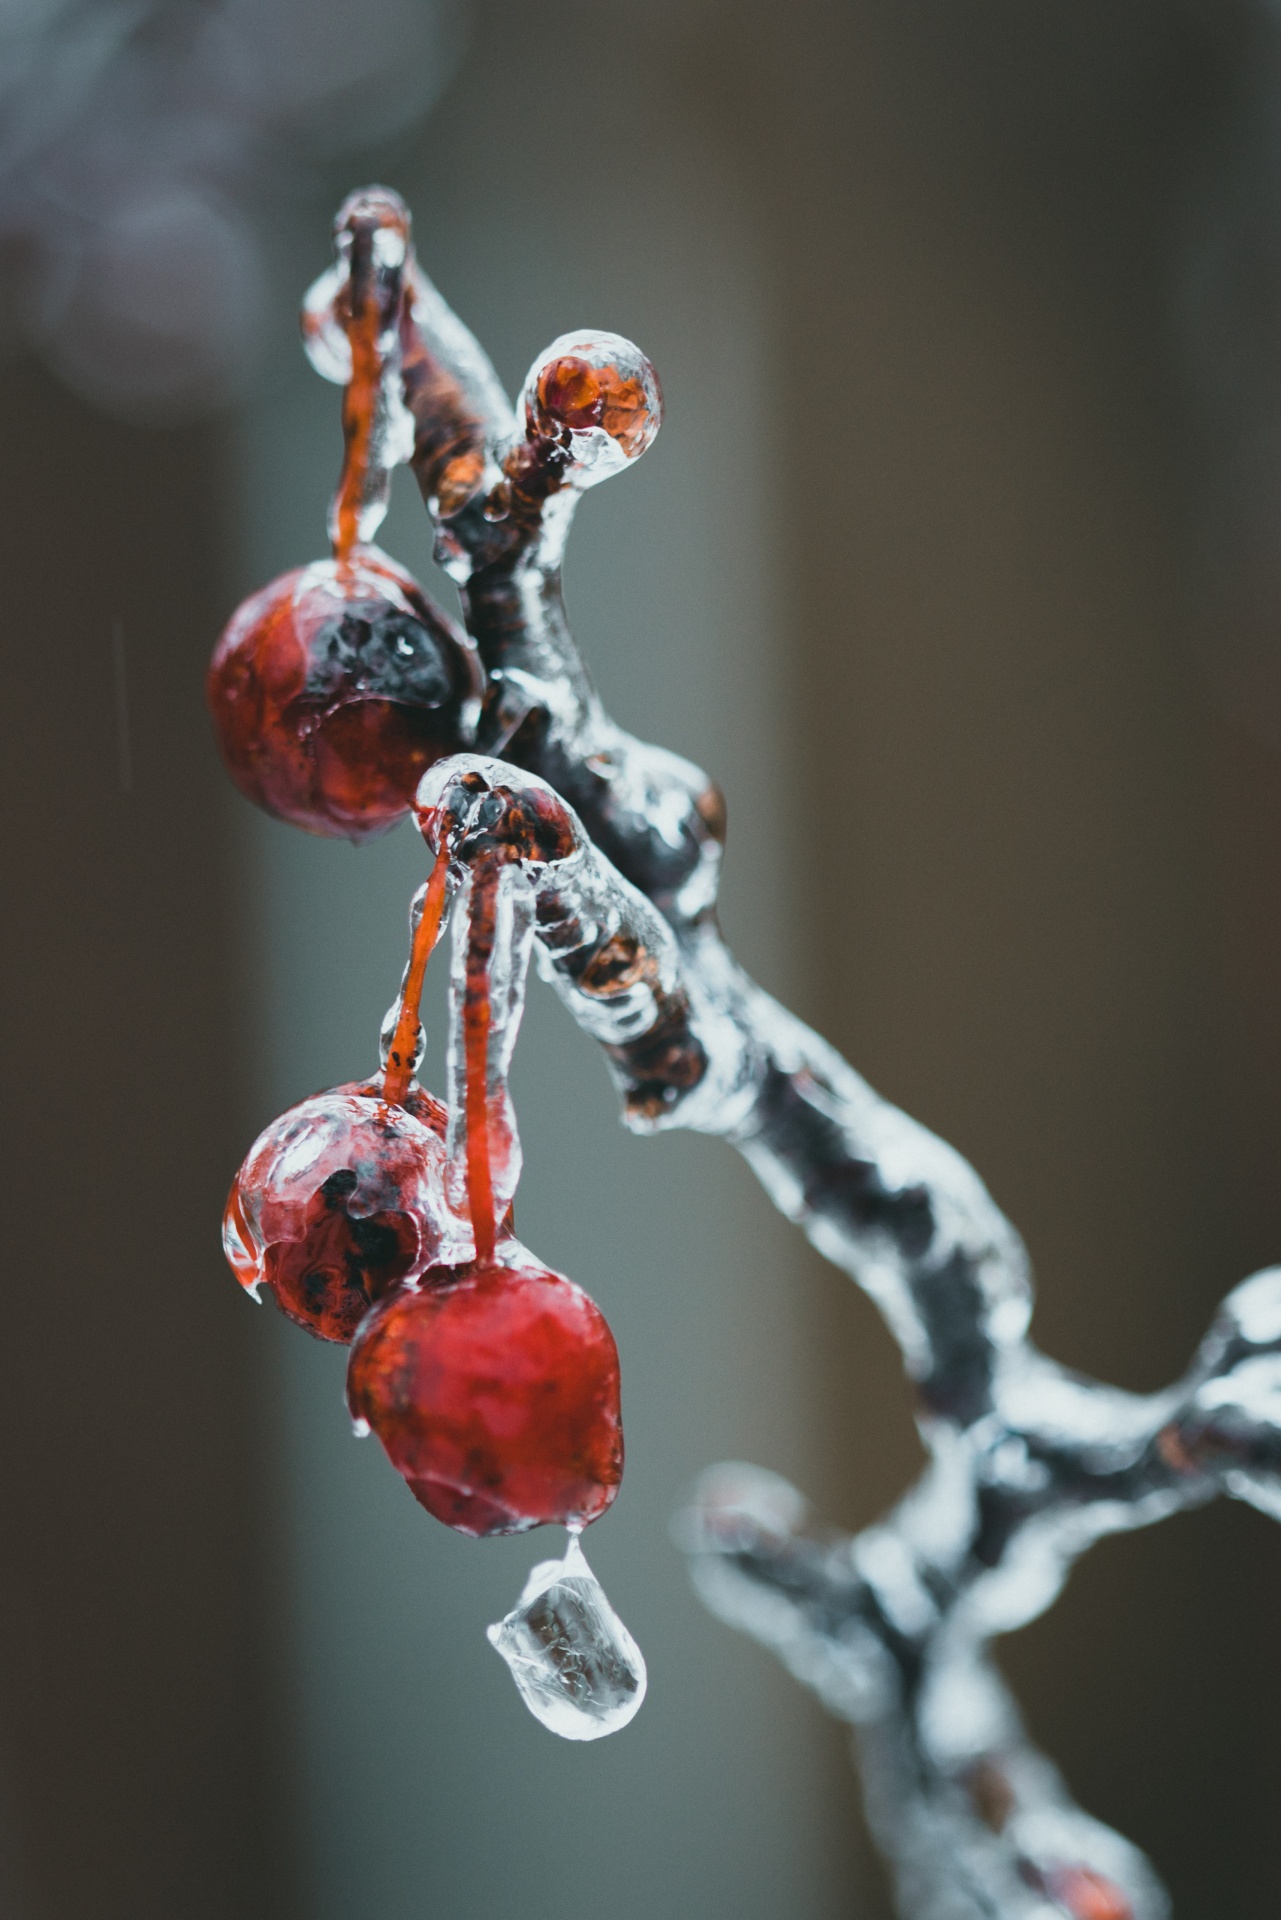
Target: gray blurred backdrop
column 954, row 564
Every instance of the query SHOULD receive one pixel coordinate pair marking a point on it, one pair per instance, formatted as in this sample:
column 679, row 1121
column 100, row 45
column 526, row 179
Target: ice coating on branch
column 974, row 1821
column 576, row 1666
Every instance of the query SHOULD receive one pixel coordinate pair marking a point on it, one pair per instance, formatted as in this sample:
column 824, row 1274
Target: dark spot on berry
column 380, row 653
column 339, row 1185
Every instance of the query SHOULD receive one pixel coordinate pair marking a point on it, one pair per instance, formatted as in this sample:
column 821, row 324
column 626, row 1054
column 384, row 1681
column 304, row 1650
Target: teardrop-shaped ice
column 577, row 1667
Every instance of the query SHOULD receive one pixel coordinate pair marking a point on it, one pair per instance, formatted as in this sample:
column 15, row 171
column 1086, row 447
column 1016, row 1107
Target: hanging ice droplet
column 577, row 1667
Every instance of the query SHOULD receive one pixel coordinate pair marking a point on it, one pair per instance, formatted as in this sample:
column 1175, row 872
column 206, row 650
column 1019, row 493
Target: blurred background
column 957, row 564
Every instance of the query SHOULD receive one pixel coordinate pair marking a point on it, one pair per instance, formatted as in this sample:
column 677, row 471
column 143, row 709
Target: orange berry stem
column 398, row 1072
column 360, row 399
column 480, row 1184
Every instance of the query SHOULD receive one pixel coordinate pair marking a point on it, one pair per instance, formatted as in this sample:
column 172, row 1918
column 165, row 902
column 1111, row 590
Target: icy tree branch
column 1029, row 1463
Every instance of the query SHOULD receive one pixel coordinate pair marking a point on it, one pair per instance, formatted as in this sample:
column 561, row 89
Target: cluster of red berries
column 491, row 1381
column 337, row 686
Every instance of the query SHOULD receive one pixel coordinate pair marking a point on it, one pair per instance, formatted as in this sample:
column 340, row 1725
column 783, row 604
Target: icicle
column 575, row 1664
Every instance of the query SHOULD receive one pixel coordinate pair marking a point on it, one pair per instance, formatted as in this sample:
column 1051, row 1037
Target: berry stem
column 480, row 948
column 398, row 1072
column 360, row 398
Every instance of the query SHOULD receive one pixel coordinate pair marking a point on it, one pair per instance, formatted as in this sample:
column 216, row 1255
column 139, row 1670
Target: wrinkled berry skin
column 340, row 1201
column 335, row 688
column 495, row 1392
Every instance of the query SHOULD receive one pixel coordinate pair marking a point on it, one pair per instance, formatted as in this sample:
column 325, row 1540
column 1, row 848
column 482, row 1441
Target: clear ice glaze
column 339, row 1201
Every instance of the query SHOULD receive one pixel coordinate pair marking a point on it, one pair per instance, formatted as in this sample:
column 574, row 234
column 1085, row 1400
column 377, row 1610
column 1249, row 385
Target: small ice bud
column 577, row 1667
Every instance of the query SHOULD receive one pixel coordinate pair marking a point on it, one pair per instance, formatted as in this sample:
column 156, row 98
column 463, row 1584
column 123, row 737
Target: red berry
column 339, row 1201
column 495, row 1393
column 335, row 688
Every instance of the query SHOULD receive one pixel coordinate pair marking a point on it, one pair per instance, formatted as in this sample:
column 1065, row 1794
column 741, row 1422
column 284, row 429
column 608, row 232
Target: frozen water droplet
column 577, row 1667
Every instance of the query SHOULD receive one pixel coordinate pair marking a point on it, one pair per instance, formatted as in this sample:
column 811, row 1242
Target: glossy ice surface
column 577, row 1667
column 495, row 1392
column 596, row 397
column 339, row 1201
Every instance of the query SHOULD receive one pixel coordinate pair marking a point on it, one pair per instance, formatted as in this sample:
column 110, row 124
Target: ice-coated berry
column 597, row 397
column 335, row 688
column 338, row 1202
column 495, row 1392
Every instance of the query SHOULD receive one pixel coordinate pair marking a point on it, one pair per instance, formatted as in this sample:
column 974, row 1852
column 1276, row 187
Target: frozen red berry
column 335, row 688
column 338, row 1202
column 495, row 1392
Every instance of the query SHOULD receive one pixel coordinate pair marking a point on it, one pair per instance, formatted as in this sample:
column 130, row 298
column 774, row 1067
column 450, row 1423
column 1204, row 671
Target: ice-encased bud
column 577, row 1667
column 598, row 396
